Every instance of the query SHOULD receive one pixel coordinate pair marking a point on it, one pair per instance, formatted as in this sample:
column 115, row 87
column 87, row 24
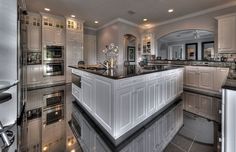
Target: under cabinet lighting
column 47, row 9
column 171, row 10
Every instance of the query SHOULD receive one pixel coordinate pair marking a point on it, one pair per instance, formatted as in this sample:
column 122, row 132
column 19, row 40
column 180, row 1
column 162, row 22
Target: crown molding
column 206, row 11
column 118, row 20
column 90, row 28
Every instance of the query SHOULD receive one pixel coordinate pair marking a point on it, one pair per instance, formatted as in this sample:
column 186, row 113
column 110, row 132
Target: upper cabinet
column 148, row 44
column 53, row 31
column 227, row 33
column 32, row 32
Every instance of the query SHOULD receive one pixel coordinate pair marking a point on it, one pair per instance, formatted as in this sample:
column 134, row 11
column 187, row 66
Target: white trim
column 90, row 28
column 223, row 16
column 118, row 20
column 230, row 4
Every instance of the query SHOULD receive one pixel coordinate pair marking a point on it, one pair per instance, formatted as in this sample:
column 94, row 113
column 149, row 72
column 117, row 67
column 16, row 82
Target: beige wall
column 115, row 34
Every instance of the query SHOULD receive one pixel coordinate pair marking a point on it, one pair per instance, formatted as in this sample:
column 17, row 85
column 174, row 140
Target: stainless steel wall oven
column 53, row 68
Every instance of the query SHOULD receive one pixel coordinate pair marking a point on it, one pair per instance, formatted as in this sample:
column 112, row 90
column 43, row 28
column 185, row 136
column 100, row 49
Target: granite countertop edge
column 126, row 76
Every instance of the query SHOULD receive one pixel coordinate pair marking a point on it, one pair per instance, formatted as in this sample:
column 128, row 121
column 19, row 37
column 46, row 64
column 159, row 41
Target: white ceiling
column 106, row 10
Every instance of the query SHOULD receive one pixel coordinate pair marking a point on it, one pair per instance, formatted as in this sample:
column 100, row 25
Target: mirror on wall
column 192, row 44
column 130, row 48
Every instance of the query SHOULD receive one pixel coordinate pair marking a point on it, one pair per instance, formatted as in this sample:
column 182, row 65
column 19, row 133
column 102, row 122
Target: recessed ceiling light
column 145, row 20
column 96, row 22
column 73, row 16
column 171, row 10
column 47, row 9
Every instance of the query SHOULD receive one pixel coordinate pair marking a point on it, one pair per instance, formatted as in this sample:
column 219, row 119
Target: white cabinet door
column 151, row 97
column 180, row 81
column 206, row 78
column 48, row 35
column 103, row 96
column 124, row 98
column 160, row 93
column 219, row 78
column 171, row 87
column 59, row 36
column 227, row 34
column 87, row 85
column 33, row 38
column 34, row 74
column 139, row 102
column 191, row 77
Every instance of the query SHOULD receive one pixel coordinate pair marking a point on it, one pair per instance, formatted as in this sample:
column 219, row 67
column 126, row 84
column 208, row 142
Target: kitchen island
column 122, row 98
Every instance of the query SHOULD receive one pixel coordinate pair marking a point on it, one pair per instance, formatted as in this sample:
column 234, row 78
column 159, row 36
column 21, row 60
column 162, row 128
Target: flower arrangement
column 111, row 54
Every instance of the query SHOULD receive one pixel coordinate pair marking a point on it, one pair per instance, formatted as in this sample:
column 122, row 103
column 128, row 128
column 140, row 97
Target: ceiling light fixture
column 145, row 20
column 171, row 10
column 96, row 22
column 47, row 9
column 73, row 16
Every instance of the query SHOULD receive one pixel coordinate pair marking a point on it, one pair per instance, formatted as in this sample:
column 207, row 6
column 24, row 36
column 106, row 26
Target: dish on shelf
column 5, row 85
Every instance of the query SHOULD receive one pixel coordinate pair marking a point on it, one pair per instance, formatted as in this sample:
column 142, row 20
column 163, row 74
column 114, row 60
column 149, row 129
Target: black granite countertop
column 230, row 84
column 127, row 71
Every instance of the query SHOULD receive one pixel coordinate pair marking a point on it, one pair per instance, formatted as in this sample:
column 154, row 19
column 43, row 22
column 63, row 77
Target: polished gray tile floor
column 197, row 135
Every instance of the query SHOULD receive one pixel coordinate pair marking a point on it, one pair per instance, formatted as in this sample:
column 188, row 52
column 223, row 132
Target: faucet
column 104, row 65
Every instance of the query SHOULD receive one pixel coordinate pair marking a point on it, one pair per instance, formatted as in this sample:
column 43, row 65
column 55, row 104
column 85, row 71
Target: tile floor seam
column 178, row 147
column 191, row 144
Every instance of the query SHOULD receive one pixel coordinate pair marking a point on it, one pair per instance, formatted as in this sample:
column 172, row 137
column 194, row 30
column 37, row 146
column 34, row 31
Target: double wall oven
column 53, row 60
column 53, row 106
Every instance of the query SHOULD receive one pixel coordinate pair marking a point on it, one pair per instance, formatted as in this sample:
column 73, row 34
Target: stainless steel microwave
column 53, row 52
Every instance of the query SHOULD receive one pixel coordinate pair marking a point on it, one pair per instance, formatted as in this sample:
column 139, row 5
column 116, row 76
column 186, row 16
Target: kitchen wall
column 115, row 34
column 8, row 57
column 205, row 22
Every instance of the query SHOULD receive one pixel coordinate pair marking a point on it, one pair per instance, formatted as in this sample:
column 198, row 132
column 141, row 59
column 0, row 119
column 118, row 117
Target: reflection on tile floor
column 197, row 135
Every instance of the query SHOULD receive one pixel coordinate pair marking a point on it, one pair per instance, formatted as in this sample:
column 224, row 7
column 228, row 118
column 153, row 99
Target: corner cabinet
column 121, row 104
column 148, row 44
column 227, row 33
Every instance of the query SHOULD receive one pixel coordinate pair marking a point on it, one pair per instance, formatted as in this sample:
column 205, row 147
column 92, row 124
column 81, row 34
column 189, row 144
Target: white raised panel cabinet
column 139, row 102
column 48, row 35
column 191, row 76
column 121, row 104
column 124, row 109
column 33, row 38
column 220, row 77
column 227, row 33
column 206, row 78
column 87, row 85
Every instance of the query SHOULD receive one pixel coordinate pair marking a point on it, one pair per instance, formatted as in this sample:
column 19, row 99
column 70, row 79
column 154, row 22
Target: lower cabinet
column 171, row 87
column 207, row 78
column 87, row 85
column 202, row 105
column 139, row 103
